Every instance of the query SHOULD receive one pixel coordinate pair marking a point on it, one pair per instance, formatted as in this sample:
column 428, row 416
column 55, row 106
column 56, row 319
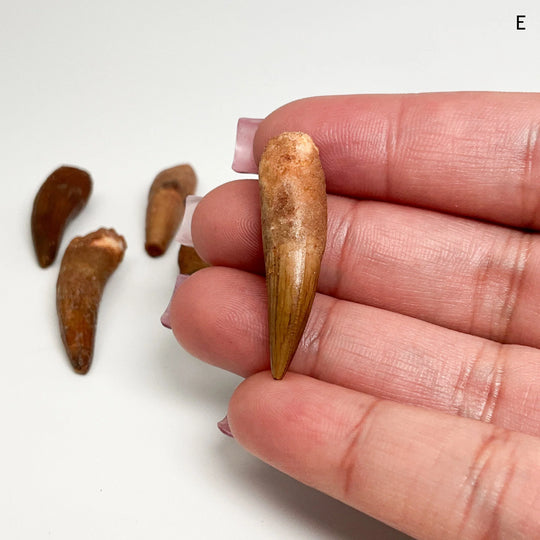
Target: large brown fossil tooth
column 189, row 261
column 166, row 206
column 293, row 217
column 86, row 266
column 60, row 198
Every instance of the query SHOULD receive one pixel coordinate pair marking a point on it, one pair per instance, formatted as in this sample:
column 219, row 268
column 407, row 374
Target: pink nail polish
column 166, row 317
column 184, row 232
column 223, row 426
column 244, row 161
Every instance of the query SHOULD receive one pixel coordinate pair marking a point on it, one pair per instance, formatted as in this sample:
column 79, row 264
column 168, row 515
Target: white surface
column 125, row 89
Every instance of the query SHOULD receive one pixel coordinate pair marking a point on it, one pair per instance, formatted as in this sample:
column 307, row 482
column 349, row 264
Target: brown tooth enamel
column 87, row 264
column 60, row 198
column 293, row 217
column 166, row 206
column 189, row 260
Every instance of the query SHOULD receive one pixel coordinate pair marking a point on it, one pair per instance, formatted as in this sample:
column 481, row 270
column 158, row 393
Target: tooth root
column 293, row 218
column 292, row 276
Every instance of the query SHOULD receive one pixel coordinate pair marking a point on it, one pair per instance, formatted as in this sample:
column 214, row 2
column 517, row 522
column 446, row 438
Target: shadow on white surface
column 285, row 498
column 315, row 511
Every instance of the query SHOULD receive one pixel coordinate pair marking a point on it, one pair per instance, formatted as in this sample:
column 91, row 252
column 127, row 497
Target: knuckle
column 478, row 389
column 489, row 479
column 350, row 462
column 498, row 285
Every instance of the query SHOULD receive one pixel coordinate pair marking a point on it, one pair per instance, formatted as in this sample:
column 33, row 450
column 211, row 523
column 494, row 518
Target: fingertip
column 248, row 409
column 166, row 316
column 226, row 226
column 262, row 412
column 186, row 311
column 219, row 316
column 298, row 115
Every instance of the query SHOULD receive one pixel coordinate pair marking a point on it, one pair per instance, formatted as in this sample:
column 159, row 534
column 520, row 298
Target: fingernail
column 244, row 161
column 223, row 426
column 166, row 317
column 184, row 233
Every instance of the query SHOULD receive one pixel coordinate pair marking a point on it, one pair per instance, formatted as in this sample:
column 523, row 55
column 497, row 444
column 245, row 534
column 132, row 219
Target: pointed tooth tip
column 278, row 371
column 292, row 277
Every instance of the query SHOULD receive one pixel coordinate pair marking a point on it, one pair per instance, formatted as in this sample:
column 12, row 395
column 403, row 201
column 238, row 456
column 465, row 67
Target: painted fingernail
column 244, row 161
column 223, row 426
column 166, row 317
column 184, row 233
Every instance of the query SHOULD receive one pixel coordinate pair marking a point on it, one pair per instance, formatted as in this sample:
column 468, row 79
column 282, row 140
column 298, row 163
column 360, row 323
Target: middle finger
column 463, row 274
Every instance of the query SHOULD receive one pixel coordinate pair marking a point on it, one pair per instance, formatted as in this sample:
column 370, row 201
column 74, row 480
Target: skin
column 414, row 394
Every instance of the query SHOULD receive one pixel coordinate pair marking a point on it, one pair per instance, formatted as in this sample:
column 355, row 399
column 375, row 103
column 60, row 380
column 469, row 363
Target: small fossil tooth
column 166, row 206
column 86, row 266
column 60, row 198
column 189, row 260
column 293, row 217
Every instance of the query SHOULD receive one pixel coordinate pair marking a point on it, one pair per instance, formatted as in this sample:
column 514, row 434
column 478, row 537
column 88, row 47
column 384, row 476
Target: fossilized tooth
column 60, row 198
column 166, row 206
column 293, row 217
column 189, row 260
column 87, row 264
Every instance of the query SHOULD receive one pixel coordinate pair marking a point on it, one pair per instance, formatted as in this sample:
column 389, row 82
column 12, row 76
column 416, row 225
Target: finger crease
column 393, row 135
column 459, row 401
column 494, row 384
column 530, row 196
column 487, row 483
column 515, row 285
column 478, row 387
column 347, row 229
column 480, row 292
column 349, row 461
column 319, row 343
column 498, row 287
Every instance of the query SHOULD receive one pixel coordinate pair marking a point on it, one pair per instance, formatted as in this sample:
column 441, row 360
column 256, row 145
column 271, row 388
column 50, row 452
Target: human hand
column 414, row 395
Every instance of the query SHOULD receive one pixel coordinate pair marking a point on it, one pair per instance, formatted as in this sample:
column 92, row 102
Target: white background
column 125, row 89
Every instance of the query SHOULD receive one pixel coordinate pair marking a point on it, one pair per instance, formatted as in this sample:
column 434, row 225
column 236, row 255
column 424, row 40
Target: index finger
column 469, row 153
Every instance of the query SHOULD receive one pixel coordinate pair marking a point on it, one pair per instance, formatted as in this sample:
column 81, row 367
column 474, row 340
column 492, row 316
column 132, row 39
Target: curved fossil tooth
column 293, row 217
column 87, row 264
column 60, row 198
